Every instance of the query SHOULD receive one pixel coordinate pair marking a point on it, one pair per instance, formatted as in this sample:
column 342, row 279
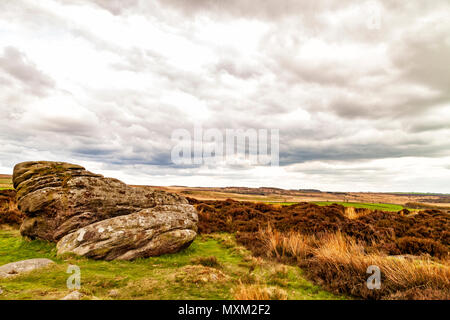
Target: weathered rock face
column 61, row 199
column 149, row 232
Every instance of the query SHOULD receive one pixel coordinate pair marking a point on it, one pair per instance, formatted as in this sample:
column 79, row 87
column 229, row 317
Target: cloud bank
column 360, row 91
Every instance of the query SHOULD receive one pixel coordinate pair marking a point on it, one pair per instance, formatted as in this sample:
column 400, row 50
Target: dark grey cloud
column 364, row 151
column 430, row 125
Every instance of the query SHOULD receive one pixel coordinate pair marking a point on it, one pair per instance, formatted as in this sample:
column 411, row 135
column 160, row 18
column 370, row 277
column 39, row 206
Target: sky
column 359, row 91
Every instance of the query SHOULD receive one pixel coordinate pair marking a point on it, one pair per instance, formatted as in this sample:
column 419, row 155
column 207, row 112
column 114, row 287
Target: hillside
column 275, row 195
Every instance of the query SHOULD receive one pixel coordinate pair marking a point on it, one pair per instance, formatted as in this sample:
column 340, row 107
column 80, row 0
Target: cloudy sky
column 360, row 91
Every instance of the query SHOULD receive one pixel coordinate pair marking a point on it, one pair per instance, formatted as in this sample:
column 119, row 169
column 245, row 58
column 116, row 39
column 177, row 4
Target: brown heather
column 335, row 245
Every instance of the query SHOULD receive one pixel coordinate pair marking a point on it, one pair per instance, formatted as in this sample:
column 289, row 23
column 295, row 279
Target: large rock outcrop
column 100, row 217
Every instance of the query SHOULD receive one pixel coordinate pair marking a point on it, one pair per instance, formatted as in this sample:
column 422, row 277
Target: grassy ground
column 373, row 206
column 176, row 276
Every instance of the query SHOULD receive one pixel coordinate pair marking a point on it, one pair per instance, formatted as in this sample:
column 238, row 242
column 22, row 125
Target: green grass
column 151, row 278
column 372, row 206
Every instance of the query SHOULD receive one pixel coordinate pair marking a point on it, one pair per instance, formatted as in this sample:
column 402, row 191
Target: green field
column 372, row 206
column 153, row 278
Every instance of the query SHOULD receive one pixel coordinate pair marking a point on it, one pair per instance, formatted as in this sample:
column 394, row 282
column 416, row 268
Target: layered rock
column 61, row 199
column 149, row 232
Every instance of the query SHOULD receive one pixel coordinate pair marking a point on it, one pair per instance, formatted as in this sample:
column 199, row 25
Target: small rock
column 113, row 293
column 74, row 295
column 15, row 268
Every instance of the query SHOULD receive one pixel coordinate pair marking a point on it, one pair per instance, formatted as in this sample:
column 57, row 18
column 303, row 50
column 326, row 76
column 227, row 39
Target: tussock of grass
column 9, row 213
column 258, row 292
column 293, row 244
column 200, row 274
column 355, row 213
column 210, row 261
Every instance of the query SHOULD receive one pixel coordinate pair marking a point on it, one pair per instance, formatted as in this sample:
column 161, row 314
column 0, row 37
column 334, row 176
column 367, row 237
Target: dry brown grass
column 355, row 213
column 12, row 205
column 338, row 255
column 290, row 245
column 9, row 213
column 341, row 263
column 258, row 292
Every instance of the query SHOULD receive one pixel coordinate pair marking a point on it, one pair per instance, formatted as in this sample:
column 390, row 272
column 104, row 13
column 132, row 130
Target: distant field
column 200, row 194
column 5, row 182
column 382, row 201
column 372, row 206
column 422, row 193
